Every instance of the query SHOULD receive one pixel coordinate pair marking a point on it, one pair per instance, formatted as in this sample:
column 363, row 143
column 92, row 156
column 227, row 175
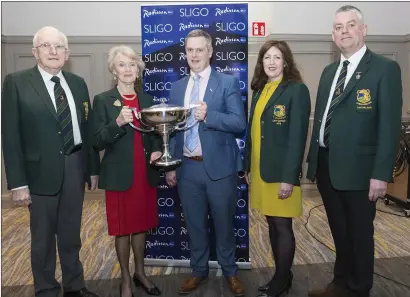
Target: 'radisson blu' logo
column 221, row 11
column 148, row 43
column 148, row 13
column 230, row 69
column 227, row 39
column 156, row 70
column 191, row 26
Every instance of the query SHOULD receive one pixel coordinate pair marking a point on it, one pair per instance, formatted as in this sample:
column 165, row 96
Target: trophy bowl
column 163, row 119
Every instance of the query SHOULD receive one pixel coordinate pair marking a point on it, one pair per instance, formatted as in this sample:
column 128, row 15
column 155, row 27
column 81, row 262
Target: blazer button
column 262, row 122
column 317, row 140
column 61, row 152
column 262, row 137
column 59, row 132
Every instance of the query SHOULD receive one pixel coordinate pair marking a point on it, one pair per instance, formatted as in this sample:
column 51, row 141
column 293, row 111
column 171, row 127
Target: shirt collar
column 354, row 60
column 47, row 76
column 205, row 74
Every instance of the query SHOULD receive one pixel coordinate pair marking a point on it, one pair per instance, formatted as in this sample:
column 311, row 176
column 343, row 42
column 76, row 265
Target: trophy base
column 166, row 162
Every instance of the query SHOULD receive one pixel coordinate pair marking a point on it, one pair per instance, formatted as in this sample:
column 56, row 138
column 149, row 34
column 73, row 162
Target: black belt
column 74, row 149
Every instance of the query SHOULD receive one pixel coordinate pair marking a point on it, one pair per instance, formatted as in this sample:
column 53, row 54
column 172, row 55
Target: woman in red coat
column 126, row 174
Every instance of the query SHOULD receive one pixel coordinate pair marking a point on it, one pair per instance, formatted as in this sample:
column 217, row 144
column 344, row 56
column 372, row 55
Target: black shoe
column 84, row 292
column 266, row 286
column 273, row 290
column 150, row 291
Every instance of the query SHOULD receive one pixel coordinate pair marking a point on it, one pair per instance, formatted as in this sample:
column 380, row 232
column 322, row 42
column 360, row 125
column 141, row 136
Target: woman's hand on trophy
column 155, row 156
column 125, row 116
column 200, row 111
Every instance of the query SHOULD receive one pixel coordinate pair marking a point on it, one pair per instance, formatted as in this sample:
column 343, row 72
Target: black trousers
column 350, row 215
column 58, row 219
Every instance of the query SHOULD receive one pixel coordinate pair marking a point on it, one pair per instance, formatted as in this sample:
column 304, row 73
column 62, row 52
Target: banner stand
column 185, row 263
column 164, row 29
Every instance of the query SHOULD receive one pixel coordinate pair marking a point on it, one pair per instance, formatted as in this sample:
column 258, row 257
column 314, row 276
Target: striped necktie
column 64, row 114
column 191, row 141
column 335, row 100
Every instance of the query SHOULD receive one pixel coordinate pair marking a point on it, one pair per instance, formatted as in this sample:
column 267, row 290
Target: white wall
column 123, row 18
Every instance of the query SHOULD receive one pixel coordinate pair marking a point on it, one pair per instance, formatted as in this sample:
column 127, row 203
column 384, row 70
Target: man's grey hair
column 200, row 33
column 346, row 8
column 47, row 30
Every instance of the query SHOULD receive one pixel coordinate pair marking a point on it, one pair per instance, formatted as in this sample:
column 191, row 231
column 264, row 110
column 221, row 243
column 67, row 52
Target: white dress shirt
column 203, row 83
column 354, row 61
column 50, row 88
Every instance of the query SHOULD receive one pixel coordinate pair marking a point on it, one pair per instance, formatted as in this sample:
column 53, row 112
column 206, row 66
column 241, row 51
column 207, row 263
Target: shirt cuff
column 19, row 188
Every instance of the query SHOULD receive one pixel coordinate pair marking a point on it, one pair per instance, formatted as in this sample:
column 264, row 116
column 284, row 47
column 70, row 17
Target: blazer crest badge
column 279, row 114
column 363, row 99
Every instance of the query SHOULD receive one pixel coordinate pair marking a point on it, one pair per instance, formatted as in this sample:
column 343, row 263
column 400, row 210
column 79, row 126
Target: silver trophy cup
column 163, row 119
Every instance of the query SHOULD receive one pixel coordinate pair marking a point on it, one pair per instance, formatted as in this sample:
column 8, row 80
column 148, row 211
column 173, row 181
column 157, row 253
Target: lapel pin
column 358, row 75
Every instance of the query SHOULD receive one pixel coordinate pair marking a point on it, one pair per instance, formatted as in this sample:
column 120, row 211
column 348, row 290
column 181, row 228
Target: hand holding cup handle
column 125, row 116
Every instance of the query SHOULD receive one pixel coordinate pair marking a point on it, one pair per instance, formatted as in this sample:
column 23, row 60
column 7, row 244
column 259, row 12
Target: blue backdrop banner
column 164, row 29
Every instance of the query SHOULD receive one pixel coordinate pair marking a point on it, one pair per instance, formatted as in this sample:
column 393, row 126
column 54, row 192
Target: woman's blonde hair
column 126, row 51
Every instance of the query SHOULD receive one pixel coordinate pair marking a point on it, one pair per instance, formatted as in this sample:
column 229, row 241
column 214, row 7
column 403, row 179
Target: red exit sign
column 258, row 28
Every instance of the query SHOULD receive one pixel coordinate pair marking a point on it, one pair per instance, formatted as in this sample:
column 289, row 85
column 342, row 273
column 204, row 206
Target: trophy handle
column 138, row 116
column 181, row 128
column 185, row 127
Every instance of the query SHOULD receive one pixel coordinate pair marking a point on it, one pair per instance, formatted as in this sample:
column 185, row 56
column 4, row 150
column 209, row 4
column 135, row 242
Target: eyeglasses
column 58, row 47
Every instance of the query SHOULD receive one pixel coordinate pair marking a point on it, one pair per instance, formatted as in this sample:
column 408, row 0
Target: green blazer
column 31, row 133
column 117, row 166
column 365, row 127
column 284, row 126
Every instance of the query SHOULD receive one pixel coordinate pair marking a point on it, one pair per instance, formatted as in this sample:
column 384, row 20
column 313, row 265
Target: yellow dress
column 264, row 196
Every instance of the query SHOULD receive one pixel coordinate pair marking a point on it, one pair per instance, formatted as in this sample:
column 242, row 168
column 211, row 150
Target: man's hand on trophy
column 200, row 112
column 155, row 156
column 171, row 178
column 125, row 116
column 21, row 197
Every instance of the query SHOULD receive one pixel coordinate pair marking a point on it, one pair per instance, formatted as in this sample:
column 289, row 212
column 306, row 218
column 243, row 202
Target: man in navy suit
column 210, row 158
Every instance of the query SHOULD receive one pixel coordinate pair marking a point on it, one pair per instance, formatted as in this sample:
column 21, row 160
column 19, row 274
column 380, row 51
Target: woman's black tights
column 283, row 245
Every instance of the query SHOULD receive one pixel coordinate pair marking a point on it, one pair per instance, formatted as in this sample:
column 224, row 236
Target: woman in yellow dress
column 275, row 145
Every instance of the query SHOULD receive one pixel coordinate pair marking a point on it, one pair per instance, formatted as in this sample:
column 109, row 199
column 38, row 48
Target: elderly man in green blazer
column 353, row 149
column 48, row 157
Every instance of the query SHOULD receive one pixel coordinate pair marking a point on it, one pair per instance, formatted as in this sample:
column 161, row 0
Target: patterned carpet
column 392, row 238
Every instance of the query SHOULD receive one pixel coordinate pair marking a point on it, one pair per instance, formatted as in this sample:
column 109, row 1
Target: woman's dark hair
column 290, row 71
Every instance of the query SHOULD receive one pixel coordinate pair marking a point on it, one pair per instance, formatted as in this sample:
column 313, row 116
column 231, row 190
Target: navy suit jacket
column 225, row 119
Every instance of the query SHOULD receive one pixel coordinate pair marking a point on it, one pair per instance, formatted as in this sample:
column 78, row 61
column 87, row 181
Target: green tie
column 64, row 114
column 335, row 99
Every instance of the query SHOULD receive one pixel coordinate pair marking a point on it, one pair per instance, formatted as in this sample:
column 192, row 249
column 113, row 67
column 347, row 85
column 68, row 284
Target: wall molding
column 24, row 39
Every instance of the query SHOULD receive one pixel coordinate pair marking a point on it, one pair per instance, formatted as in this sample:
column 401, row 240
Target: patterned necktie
column 191, row 141
column 64, row 114
column 335, row 99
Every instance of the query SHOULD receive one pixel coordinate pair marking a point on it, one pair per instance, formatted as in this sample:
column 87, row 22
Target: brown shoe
column 191, row 284
column 331, row 290
column 235, row 285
